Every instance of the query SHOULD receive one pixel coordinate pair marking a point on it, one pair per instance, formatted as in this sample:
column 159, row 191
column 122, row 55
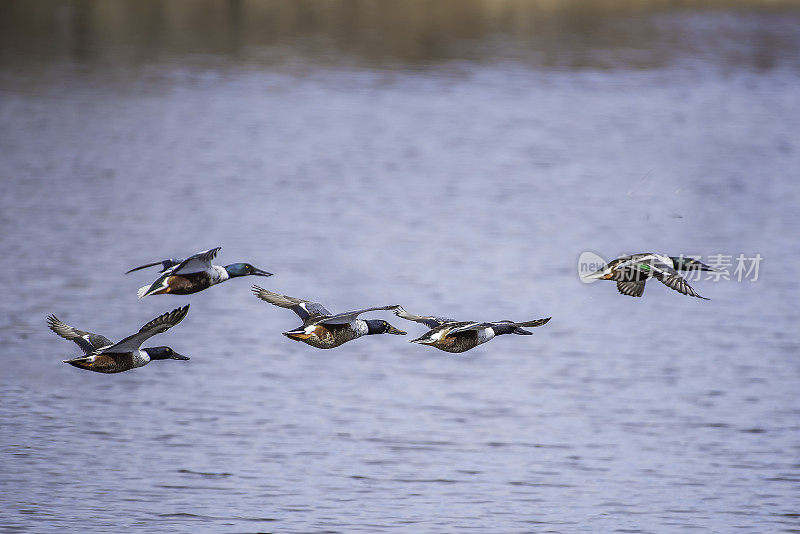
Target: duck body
column 112, row 362
column 449, row 339
column 101, row 355
column 323, row 329
column 185, row 283
column 632, row 272
column 194, row 274
column 455, row 337
column 328, row 336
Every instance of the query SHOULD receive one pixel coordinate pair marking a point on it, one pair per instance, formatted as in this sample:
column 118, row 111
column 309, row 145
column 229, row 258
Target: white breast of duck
column 218, row 274
column 485, row 334
column 140, row 358
column 359, row 328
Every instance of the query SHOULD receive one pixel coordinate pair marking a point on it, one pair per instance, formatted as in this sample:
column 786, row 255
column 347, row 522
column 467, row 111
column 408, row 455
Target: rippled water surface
column 456, row 158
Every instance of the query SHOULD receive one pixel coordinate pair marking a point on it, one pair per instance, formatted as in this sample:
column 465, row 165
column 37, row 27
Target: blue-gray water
column 461, row 177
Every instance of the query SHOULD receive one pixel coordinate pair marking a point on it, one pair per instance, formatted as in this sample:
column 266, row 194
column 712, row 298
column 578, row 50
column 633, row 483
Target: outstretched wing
column 348, row 317
column 165, row 264
column 467, row 326
column 87, row 341
column 303, row 308
column 196, row 264
column 678, row 283
column 632, row 289
column 429, row 320
column 160, row 324
column 531, row 324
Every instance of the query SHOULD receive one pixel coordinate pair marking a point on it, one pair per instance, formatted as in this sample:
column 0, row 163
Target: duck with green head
column 195, row 273
column 631, row 272
column 323, row 329
column 101, row 355
column 454, row 336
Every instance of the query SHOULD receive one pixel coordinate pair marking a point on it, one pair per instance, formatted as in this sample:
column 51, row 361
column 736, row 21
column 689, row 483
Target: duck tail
column 81, row 362
column 143, row 291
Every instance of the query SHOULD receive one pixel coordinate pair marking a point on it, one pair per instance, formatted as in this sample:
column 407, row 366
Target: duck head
column 164, row 353
column 244, row 269
column 377, row 326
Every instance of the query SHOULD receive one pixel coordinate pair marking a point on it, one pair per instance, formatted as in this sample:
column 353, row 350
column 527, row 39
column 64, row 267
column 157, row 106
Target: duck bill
column 395, row 331
column 176, row 356
column 299, row 336
column 259, row 272
column 422, row 341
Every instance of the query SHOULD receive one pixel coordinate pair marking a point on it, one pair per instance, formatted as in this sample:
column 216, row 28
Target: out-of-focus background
column 456, row 157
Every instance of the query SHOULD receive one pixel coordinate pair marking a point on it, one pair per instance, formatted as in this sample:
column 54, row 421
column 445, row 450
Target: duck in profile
column 631, row 272
column 103, row 356
column 454, row 336
column 195, row 273
column 323, row 329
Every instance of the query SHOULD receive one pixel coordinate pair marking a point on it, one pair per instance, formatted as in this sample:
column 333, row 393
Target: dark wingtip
column 144, row 266
column 178, row 314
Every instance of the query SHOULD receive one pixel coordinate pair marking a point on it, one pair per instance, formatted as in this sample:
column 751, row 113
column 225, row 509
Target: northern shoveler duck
column 195, row 273
column 454, row 336
column 323, row 329
column 631, row 272
column 103, row 356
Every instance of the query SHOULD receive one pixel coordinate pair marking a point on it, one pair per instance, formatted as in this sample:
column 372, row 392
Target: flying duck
column 454, row 336
column 103, row 356
column 323, row 329
column 631, row 272
column 195, row 273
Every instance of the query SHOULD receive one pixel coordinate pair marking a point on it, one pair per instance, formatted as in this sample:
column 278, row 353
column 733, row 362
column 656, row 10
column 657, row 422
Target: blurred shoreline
column 412, row 34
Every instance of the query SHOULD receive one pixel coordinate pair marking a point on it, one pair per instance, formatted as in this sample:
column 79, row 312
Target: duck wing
column 678, row 283
column 160, row 324
column 87, row 341
column 165, row 264
column 632, row 289
column 349, row 317
column 519, row 327
column 530, row 324
column 632, row 268
column 198, row 263
column 303, row 308
column 667, row 275
column 466, row 326
column 428, row 320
